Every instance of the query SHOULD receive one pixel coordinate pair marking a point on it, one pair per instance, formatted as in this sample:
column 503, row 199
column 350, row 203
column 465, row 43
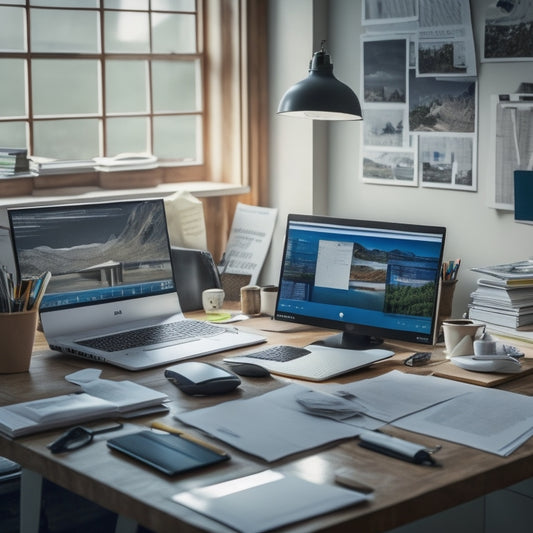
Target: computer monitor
column 371, row 280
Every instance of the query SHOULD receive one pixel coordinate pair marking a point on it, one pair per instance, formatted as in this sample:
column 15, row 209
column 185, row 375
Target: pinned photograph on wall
column 385, row 70
column 385, row 126
column 390, row 167
column 441, row 104
column 507, row 33
column 447, row 162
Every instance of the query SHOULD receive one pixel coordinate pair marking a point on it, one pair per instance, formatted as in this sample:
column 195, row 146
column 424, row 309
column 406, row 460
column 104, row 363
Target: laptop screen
column 96, row 252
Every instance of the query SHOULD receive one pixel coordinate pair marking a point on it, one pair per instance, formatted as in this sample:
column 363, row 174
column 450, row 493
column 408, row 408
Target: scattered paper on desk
column 249, row 240
column 270, row 426
column 267, row 500
column 397, row 394
column 492, row 420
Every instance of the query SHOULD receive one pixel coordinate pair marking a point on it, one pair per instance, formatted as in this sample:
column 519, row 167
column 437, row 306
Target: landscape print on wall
column 441, row 105
column 385, row 77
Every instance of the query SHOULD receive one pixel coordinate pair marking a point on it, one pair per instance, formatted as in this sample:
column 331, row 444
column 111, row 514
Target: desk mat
column 485, row 379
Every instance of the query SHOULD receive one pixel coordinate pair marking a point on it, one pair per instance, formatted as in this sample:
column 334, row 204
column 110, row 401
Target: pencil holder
column 447, row 290
column 17, row 334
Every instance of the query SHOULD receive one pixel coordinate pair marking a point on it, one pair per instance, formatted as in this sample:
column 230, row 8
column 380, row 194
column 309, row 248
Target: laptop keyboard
column 280, row 353
column 183, row 331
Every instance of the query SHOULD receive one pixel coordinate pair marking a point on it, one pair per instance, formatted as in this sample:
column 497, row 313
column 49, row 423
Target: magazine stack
column 504, row 296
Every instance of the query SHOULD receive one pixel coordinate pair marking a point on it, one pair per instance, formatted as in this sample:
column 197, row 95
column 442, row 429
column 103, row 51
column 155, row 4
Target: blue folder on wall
column 523, row 196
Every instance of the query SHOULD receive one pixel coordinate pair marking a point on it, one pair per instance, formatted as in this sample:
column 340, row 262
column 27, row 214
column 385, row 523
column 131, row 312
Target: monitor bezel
column 357, row 336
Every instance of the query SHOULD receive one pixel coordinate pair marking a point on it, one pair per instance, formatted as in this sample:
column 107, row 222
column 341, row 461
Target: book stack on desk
column 505, row 297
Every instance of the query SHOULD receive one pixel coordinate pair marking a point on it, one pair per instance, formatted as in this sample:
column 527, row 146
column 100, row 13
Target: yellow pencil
column 191, row 438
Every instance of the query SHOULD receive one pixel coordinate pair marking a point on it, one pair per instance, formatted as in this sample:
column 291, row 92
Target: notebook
column 313, row 362
column 112, row 283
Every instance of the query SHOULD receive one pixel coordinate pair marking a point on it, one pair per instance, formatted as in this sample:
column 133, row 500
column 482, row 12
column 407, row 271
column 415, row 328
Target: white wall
column 478, row 234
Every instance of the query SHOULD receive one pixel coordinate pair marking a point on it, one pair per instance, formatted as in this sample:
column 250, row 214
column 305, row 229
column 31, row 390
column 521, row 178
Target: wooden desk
column 403, row 492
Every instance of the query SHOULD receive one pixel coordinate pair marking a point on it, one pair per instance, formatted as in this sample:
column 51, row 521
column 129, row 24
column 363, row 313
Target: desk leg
column 125, row 525
column 31, row 485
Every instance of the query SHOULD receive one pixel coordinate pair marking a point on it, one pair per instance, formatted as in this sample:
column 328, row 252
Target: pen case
column 398, row 448
column 168, row 453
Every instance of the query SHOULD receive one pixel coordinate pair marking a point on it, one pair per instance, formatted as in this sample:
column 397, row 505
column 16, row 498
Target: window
column 88, row 78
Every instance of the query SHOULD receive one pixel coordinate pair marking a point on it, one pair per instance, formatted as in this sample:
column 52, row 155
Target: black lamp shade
column 321, row 96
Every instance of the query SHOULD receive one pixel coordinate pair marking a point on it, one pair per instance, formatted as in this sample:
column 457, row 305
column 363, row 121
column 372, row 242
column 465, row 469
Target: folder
column 168, row 453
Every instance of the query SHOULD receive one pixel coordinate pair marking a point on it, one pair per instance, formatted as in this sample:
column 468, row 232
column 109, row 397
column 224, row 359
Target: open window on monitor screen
column 371, row 280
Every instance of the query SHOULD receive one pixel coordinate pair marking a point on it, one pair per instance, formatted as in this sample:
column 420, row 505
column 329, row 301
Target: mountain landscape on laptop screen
column 95, row 253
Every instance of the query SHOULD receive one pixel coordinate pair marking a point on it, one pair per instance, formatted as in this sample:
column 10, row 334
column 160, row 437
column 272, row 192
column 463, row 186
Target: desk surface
column 403, row 492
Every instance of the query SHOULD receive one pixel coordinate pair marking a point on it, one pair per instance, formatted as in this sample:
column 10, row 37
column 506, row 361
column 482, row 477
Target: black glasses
column 418, row 359
column 77, row 437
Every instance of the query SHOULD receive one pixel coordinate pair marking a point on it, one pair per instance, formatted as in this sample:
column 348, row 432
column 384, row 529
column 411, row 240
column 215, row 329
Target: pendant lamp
column 321, row 96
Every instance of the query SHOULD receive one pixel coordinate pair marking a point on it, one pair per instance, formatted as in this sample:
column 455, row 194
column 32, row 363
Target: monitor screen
column 371, row 280
column 96, row 252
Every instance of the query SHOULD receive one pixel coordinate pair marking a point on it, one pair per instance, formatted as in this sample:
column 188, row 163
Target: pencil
column 186, row 436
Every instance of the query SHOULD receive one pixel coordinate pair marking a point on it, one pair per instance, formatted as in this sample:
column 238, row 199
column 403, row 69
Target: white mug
column 212, row 300
column 269, row 296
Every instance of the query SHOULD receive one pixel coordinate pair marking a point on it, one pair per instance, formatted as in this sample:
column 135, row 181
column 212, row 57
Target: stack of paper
column 102, row 399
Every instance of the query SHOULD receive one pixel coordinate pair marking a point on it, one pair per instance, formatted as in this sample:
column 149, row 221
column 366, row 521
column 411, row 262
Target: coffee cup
column 269, row 296
column 459, row 336
column 212, row 300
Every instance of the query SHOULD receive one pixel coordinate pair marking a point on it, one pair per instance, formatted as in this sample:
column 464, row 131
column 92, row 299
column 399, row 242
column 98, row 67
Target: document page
column 249, row 240
column 270, row 426
column 396, row 394
column 267, row 500
column 492, row 420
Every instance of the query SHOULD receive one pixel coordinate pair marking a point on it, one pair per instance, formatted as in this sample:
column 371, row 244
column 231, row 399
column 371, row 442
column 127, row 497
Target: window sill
column 200, row 189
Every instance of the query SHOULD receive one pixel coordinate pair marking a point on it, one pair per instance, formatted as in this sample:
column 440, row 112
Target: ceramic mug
column 459, row 336
column 269, row 296
column 212, row 300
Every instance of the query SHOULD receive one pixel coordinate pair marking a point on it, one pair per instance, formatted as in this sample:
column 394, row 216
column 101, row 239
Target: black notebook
column 167, row 452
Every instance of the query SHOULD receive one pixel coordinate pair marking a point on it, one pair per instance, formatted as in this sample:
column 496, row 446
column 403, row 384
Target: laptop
column 112, row 296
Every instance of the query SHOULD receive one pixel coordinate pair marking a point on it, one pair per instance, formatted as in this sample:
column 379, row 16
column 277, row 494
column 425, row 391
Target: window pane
column 62, row 86
column 73, row 31
column 173, row 5
column 65, row 3
column 127, row 32
column 174, row 86
column 13, row 134
column 12, row 29
column 67, row 139
column 126, row 4
column 126, row 86
column 173, row 33
column 127, row 135
column 13, row 88
column 176, row 137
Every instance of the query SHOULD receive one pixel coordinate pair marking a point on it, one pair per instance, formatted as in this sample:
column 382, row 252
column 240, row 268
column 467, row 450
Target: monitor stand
column 350, row 341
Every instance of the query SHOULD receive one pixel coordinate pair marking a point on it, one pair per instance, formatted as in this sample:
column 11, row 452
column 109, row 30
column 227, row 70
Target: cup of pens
column 17, row 331
column 447, row 289
column 19, row 311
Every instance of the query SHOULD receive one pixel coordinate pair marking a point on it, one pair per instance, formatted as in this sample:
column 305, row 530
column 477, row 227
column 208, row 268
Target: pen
column 186, row 436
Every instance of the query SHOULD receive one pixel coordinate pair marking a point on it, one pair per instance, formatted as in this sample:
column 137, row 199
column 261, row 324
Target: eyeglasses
column 418, row 359
column 77, row 437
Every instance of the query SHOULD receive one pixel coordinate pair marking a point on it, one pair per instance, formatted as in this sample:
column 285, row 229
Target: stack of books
column 13, row 161
column 505, row 296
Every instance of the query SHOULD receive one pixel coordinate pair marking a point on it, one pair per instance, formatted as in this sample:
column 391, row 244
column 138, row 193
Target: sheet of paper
column 249, row 240
column 396, row 394
column 185, row 221
column 267, row 500
column 492, row 420
column 270, row 426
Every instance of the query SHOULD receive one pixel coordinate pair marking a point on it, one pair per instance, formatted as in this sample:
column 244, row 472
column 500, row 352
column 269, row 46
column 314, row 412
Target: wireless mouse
column 202, row 379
